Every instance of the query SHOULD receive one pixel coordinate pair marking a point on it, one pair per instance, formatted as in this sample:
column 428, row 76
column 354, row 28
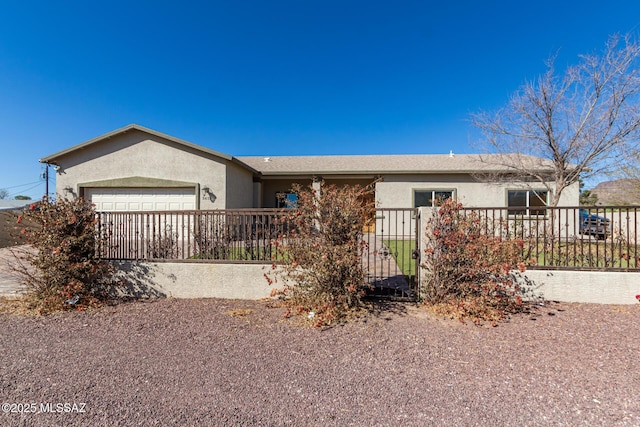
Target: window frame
column 433, row 195
column 282, row 199
column 528, row 210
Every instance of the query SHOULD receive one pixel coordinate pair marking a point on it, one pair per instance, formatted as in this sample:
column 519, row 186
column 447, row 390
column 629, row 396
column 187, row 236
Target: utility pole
column 46, row 180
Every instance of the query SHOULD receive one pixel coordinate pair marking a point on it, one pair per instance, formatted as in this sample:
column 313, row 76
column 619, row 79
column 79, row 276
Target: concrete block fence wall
column 246, row 281
column 195, row 279
column 600, row 287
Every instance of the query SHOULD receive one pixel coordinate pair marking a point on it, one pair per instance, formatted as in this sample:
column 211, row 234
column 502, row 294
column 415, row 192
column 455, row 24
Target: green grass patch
column 579, row 254
column 401, row 251
column 584, row 254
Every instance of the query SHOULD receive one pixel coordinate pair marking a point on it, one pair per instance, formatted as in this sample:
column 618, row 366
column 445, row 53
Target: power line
column 25, row 190
column 21, row 185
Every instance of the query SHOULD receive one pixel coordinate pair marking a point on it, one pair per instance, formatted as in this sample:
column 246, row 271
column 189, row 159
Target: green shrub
column 61, row 267
column 469, row 271
column 322, row 251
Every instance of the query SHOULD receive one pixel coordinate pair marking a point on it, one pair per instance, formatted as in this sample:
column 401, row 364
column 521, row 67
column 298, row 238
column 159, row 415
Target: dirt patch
column 9, row 232
column 226, row 362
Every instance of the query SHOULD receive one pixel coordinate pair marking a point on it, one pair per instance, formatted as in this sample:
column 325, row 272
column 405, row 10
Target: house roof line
column 52, row 158
column 384, row 172
column 348, row 165
column 395, row 164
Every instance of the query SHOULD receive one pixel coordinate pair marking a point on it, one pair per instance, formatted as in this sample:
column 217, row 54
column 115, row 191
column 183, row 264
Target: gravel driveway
column 222, row 362
column 9, row 280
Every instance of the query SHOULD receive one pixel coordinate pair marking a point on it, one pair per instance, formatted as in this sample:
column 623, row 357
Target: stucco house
column 136, row 168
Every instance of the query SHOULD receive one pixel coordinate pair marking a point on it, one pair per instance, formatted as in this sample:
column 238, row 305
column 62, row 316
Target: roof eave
column 390, row 172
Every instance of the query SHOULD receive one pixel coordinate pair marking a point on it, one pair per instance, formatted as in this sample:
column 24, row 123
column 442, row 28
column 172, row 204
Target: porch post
column 317, row 185
column 257, row 193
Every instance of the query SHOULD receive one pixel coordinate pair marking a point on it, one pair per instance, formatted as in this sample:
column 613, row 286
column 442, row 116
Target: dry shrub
column 13, row 306
column 469, row 271
column 323, row 274
column 61, row 267
column 240, row 312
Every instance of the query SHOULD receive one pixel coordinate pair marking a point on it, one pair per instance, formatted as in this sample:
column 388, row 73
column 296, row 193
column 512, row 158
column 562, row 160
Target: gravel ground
column 222, row 362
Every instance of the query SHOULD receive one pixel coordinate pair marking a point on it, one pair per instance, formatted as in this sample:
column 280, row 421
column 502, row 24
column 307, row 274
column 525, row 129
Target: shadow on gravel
column 542, row 308
column 384, row 308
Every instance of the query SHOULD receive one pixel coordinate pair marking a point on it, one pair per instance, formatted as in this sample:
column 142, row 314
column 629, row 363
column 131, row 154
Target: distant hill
column 618, row 192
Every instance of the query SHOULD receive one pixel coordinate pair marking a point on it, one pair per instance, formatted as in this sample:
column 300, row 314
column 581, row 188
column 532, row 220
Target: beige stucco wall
column 396, row 191
column 246, row 281
column 139, row 154
column 362, row 182
column 585, row 286
column 195, row 279
column 239, row 187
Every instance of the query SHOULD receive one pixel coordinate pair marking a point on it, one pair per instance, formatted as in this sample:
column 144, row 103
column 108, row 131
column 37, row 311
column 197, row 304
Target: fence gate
column 391, row 259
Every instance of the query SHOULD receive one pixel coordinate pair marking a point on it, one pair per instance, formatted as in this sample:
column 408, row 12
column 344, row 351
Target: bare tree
column 558, row 129
column 3, row 194
column 629, row 174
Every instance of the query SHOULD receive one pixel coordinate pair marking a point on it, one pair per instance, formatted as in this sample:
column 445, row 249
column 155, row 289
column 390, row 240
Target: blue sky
column 277, row 77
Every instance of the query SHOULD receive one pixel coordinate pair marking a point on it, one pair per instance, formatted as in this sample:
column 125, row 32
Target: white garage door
column 141, row 199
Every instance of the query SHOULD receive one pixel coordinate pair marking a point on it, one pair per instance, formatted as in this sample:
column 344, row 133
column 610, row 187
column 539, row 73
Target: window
column 430, row 198
column 528, row 200
column 286, row 200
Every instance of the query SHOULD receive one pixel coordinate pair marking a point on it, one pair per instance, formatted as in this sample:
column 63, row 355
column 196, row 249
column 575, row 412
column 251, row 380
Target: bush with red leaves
column 61, row 267
column 323, row 275
column 469, row 272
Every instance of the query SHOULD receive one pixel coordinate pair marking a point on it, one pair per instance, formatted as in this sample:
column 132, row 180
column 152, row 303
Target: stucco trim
column 137, row 182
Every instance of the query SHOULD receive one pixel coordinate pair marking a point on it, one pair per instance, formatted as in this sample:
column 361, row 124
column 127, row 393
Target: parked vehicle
column 594, row 225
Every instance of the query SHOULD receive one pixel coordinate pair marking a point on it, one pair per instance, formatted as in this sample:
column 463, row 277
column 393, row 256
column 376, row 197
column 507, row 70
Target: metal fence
column 390, row 260
column 225, row 235
column 572, row 238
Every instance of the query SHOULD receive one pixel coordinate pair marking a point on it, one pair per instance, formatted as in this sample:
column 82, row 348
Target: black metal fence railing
column 389, row 260
column 573, row 238
column 225, row 235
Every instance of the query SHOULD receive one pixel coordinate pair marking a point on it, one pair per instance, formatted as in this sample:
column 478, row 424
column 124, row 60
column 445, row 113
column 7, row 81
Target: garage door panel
column 147, row 199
